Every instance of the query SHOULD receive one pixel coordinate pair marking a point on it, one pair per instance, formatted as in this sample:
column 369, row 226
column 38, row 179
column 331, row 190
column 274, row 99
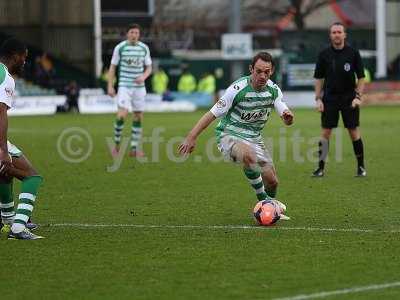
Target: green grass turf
column 205, row 262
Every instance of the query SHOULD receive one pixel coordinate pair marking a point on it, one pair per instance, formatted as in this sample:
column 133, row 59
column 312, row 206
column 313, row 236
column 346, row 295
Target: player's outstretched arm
column 189, row 143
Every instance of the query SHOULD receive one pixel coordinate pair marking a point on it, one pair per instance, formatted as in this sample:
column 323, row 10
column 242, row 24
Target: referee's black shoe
column 318, row 173
column 361, row 172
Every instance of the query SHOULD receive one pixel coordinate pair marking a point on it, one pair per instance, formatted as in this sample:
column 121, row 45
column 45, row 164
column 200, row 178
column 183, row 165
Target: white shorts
column 227, row 142
column 131, row 99
column 13, row 150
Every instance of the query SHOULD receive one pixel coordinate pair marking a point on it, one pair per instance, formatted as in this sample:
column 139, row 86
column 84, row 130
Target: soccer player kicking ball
column 244, row 109
column 12, row 162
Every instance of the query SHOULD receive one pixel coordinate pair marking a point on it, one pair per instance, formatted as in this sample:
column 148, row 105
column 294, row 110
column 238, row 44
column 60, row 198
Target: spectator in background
column 72, row 92
column 207, row 84
column 38, row 71
column 46, row 63
column 187, row 82
column 159, row 81
column 44, row 70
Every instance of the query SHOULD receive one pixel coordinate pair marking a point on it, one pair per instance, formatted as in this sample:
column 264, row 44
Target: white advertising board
column 35, row 105
column 237, row 46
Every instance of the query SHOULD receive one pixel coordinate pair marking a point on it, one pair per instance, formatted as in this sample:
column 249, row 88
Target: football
column 267, row 212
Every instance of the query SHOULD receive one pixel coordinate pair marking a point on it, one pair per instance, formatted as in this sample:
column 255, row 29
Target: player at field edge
column 132, row 57
column 13, row 163
column 339, row 85
column 244, row 109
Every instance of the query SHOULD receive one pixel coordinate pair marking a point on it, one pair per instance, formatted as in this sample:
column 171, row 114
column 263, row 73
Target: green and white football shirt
column 245, row 111
column 7, row 90
column 131, row 60
column 7, row 86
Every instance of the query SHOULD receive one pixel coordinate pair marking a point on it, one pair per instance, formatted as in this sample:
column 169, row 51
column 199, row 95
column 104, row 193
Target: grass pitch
column 184, row 230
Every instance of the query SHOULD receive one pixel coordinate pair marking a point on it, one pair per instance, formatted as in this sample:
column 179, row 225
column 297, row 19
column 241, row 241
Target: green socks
column 271, row 192
column 256, row 182
column 136, row 134
column 27, row 197
column 118, row 127
column 7, row 203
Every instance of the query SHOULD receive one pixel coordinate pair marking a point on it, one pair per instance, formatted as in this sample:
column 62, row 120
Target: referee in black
column 337, row 90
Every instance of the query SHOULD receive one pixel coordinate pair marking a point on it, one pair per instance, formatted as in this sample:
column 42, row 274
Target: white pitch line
column 343, row 291
column 221, row 227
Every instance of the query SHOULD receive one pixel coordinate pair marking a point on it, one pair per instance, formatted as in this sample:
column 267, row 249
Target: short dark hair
column 133, row 26
column 338, row 24
column 12, row 46
column 265, row 56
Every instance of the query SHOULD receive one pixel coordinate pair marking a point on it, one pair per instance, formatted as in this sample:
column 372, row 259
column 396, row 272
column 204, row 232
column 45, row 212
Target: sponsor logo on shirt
column 347, row 67
column 133, row 62
column 258, row 94
column 252, row 116
column 221, row 103
column 9, row 92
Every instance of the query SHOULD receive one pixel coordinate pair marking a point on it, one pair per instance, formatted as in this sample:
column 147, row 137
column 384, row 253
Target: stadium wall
column 62, row 28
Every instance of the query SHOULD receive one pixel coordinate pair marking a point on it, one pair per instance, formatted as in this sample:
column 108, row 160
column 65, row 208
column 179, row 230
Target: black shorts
column 330, row 115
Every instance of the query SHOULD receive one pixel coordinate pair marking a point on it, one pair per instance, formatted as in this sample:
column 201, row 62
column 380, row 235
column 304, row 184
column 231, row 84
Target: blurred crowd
column 44, row 71
column 187, row 83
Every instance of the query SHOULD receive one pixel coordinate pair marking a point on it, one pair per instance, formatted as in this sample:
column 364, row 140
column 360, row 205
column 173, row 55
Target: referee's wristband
column 318, row 98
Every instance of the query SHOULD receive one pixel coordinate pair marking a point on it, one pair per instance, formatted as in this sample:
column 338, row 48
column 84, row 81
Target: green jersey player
column 12, row 162
column 132, row 57
column 244, row 109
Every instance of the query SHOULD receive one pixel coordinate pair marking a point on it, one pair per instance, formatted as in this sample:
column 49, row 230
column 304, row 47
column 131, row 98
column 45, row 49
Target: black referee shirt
column 338, row 67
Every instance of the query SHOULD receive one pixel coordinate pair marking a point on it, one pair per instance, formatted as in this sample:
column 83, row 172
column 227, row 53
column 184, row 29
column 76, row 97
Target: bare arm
column 218, row 110
column 359, row 91
column 147, row 72
column 3, row 127
column 145, row 75
column 319, row 83
column 189, row 143
column 202, row 124
column 5, row 160
column 111, row 80
column 360, row 86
